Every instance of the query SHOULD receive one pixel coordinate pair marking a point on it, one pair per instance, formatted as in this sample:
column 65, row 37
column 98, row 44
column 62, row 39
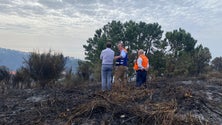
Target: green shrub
column 84, row 70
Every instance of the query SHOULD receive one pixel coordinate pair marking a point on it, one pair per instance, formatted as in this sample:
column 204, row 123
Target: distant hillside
column 13, row 59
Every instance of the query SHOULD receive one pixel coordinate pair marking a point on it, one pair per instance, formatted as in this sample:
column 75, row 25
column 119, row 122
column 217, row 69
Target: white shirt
column 107, row 56
column 123, row 53
column 139, row 63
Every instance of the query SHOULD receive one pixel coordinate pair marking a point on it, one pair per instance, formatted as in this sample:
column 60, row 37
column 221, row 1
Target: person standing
column 107, row 57
column 141, row 67
column 120, row 75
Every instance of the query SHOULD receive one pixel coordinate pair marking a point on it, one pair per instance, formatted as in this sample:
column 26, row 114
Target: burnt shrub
column 46, row 67
column 4, row 74
column 22, row 76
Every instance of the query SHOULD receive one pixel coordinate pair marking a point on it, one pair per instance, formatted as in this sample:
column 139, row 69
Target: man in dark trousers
column 141, row 66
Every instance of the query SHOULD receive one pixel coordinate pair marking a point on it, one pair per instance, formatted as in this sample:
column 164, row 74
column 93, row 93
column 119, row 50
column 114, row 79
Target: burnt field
column 162, row 102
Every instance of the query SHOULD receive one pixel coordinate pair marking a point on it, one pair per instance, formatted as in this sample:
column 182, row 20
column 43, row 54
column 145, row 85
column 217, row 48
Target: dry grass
column 135, row 107
column 215, row 74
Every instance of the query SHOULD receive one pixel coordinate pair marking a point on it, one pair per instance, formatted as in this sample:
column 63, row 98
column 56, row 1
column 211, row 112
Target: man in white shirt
column 107, row 57
column 141, row 67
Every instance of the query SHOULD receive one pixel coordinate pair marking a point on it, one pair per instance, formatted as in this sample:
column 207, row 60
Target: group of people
column 141, row 66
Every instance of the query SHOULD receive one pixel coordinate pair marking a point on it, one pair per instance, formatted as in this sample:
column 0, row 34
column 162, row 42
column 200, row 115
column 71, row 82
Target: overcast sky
column 65, row 25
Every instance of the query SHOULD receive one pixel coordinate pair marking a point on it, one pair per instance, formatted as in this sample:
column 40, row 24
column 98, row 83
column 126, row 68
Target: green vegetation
column 173, row 54
column 217, row 64
column 176, row 54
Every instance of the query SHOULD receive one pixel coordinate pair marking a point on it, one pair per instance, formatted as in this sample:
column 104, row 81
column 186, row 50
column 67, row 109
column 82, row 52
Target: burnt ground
column 163, row 102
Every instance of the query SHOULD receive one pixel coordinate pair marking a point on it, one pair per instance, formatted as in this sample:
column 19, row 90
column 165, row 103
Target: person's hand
column 116, row 57
column 147, row 69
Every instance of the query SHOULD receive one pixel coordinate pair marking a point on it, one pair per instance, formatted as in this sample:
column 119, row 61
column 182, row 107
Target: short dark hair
column 108, row 44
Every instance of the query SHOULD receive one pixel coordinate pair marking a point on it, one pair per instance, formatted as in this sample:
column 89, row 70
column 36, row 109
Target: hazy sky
column 65, row 25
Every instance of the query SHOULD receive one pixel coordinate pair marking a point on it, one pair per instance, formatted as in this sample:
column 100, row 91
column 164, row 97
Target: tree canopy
column 175, row 54
column 217, row 64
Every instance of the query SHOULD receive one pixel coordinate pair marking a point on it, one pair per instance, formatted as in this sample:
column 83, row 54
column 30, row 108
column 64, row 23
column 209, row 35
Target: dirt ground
column 163, row 102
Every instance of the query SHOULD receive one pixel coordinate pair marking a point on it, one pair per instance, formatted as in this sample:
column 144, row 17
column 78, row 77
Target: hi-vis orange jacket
column 145, row 62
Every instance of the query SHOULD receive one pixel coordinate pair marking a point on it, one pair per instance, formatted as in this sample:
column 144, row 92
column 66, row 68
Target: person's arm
column 122, row 55
column 148, row 65
column 117, row 57
column 101, row 55
column 147, row 68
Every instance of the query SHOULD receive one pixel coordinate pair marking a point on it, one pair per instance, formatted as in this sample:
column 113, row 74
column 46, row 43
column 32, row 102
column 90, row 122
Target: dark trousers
column 140, row 77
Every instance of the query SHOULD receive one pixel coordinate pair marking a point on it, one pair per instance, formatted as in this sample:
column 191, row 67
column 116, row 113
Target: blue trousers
column 106, row 75
column 140, row 77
